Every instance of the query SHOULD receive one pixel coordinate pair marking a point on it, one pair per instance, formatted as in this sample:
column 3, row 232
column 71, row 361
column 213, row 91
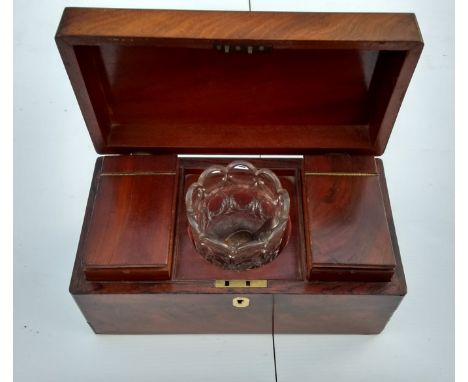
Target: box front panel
column 237, row 313
column 333, row 314
column 177, row 313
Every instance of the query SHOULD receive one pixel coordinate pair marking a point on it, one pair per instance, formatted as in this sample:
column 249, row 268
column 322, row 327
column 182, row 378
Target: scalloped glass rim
column 225, row 176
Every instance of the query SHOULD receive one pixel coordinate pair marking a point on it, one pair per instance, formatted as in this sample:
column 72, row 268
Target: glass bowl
column 237, row 215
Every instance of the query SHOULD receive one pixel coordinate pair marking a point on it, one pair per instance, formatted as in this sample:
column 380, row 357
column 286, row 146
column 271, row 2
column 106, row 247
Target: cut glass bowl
column 238, row 215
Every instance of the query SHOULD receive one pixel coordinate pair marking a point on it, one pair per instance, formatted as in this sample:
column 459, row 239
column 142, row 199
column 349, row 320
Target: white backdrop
column 53, row 163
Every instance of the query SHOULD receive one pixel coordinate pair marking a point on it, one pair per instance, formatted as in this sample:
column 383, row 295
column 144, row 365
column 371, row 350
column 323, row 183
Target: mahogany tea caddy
column 155, row 84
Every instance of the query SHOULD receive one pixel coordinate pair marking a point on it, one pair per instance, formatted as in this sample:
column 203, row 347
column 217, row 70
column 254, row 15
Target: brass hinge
column 241, row 48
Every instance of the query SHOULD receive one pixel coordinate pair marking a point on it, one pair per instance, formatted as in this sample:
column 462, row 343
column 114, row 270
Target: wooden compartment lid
column 221, row 82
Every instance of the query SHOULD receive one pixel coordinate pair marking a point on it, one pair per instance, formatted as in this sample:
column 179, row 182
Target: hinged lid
column 259, row 82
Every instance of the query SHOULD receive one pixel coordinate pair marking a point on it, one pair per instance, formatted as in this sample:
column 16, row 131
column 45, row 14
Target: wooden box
column 155, row 84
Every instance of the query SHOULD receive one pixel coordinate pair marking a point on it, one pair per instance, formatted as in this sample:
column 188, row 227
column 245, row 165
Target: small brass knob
column 240, row 302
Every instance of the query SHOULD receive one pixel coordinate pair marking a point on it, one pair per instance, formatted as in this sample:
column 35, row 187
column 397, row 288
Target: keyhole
column 240, row 302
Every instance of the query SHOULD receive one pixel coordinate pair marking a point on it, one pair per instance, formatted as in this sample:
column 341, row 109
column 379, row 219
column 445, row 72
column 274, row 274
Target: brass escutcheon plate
column 241, row 283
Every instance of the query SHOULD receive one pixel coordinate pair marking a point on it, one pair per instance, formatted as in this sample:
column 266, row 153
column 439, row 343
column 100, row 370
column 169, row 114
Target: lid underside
column 194, row 82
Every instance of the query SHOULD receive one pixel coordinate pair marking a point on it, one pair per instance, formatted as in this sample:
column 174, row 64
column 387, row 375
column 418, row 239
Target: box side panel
column 399, row 272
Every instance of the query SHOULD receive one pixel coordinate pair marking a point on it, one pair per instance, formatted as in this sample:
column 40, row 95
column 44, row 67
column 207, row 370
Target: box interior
column 189, row 99
column 289, row 265
column 138, row 229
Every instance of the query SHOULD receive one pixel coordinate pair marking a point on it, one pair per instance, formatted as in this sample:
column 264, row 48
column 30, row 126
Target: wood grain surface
column 332, row 28
column 298, row 305
column 131, row 227
column 346, row 222
column 171, row 82
column 219, row 82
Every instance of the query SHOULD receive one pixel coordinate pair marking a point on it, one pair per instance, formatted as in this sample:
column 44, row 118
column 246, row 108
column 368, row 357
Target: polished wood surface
column 337, row 314
column 342, row 163
column 348, row 231
column 130, row 232
column 176, row 313
column 184, row 81
column 337, row 309
column 287, row 27
column 328, row 86
column 165, row 306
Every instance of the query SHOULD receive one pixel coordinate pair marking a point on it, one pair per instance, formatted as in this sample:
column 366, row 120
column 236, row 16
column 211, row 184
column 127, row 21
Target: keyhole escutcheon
column 240, row 302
